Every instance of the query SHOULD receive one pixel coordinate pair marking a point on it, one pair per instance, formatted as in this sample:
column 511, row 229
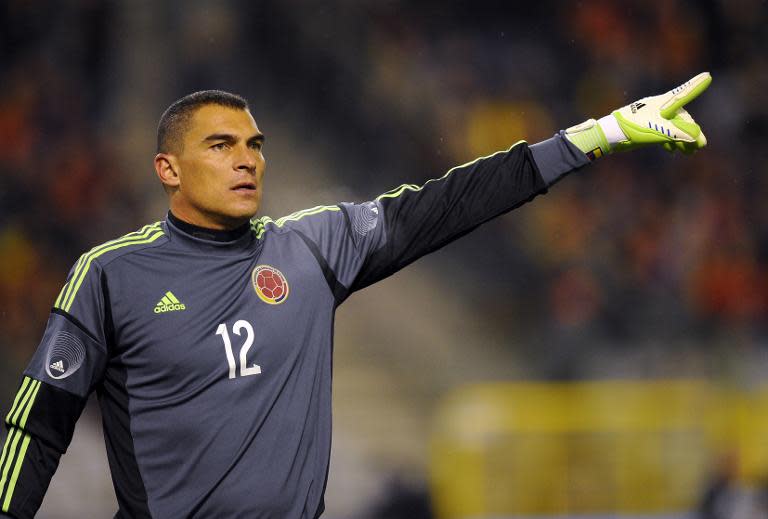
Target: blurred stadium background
column 600, row 352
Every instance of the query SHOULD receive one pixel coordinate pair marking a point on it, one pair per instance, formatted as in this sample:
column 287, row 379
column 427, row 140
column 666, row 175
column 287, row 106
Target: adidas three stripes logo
column 17, row 442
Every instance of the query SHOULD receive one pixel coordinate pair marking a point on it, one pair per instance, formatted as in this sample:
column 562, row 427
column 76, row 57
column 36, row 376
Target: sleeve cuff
column 556, row 157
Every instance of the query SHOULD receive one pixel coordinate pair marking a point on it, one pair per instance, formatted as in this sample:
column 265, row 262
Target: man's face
column 220, row 169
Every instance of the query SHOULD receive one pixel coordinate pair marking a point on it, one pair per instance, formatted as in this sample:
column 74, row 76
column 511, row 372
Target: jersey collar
column 211, row 241
column 204, row 233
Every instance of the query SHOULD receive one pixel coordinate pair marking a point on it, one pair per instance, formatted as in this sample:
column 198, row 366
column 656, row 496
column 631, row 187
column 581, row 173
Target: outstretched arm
column 359, row 244
column 420, row 219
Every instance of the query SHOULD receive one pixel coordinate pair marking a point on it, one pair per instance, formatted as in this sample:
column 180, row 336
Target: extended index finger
column 685, row 93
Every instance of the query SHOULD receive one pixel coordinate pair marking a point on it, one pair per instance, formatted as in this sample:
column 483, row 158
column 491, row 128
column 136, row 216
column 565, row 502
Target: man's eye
column 257, row 145
column 220, row 146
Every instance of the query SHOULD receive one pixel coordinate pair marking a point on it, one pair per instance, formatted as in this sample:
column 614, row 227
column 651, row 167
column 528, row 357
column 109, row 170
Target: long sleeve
column 66, row 367
column 421, row 219
column 360, row 244
column 40, row 425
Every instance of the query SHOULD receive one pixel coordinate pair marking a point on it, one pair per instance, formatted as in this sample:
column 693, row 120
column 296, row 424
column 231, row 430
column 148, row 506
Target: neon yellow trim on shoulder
column 148, row 234
column 260, row 222
column 298, row 215
column 394, row 193
column 84, row 259
column 65, row 293
column 259, row 226
column 65, row 288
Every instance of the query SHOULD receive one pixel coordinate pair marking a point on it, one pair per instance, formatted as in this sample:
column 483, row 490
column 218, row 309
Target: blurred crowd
column 645, row 250
column 58, row 182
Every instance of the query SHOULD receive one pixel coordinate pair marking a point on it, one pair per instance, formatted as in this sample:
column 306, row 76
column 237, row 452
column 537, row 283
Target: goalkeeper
column 208, row 335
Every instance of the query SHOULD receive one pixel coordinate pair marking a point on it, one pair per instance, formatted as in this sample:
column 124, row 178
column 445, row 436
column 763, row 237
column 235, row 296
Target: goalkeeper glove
column 652, row 120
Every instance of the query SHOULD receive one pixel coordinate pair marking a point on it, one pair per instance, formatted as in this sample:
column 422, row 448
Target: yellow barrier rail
column 616, row 447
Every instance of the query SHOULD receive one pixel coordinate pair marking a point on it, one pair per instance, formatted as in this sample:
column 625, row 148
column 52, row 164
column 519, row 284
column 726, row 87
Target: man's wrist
column 556, row 157
column 590, row 138
column 612, row 130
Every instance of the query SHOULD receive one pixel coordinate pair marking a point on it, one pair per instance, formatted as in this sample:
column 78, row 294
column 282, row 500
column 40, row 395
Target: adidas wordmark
column 169, row 303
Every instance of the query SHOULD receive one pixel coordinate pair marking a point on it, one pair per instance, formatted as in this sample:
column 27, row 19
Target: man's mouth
column 244, row 186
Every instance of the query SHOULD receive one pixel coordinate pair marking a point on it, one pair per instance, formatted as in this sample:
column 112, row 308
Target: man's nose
column 247, row 159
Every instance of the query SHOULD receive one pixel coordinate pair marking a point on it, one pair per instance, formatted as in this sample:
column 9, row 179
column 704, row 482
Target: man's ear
column 167, row 170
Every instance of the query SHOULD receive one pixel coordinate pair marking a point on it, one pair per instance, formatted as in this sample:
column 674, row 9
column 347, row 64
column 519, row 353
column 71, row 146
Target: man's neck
column 222, row 235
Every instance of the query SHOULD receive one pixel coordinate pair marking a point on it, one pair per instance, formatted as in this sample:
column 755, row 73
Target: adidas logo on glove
column 660, row 119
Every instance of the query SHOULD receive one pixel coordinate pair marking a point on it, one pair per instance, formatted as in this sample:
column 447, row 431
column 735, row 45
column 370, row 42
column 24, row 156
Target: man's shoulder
column 91, row 263
column 293, row 221
column 149, row 235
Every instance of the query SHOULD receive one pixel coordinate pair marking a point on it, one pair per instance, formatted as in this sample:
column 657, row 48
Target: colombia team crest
column 270, row 284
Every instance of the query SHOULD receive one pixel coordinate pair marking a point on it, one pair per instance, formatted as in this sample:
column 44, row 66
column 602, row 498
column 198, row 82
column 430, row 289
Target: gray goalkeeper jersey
column 211, row 358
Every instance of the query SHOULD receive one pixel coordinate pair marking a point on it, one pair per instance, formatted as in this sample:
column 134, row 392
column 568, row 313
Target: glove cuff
column 612, row 130
column 589, row 138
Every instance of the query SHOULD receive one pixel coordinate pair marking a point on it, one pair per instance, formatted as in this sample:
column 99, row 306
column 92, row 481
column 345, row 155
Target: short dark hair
column 175, row 120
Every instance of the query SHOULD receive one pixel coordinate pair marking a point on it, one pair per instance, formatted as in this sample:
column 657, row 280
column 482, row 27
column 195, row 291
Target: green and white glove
column 651, row 120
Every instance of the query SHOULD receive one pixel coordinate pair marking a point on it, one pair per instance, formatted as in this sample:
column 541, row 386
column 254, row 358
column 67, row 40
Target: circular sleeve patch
column 66, row 354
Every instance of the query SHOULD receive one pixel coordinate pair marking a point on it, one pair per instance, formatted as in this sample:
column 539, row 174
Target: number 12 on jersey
column 237, row 329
